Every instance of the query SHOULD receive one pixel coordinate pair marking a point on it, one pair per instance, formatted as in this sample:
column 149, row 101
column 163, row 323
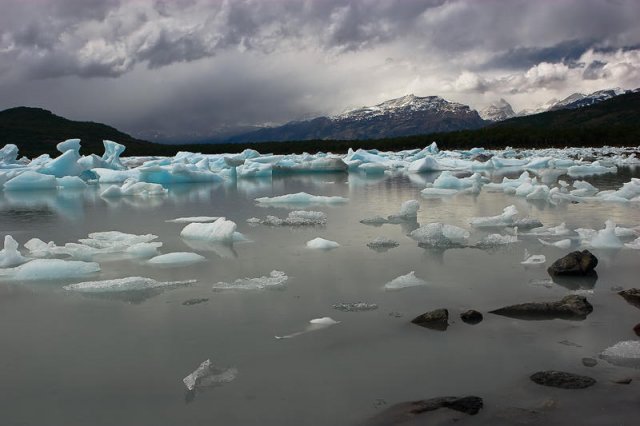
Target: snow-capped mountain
column 497, row 111
column 405, row 116
column 579, row 100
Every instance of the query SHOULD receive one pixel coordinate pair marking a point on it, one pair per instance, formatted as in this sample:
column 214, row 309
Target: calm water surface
column 74, row 359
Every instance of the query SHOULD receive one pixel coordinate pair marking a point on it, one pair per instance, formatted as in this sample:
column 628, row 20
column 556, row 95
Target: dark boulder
column 408, row 411
column 570, row 307
column 482, row 158
column 589, row 362
column 191, row 302
column 579, row 263
column 436, row 320
column 560, row 379
column 636, row 329
column 471, row 317
column 632, row 296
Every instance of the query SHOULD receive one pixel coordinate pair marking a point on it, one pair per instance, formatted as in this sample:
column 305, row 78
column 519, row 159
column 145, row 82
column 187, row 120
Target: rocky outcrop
column 569, row 307
column 560, row 379
column 471, row 317
column 417, row 410
column 632, row 296
column 436, row 320
column 577, row 263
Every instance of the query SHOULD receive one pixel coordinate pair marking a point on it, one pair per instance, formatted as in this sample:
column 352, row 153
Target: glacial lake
column 69, row 358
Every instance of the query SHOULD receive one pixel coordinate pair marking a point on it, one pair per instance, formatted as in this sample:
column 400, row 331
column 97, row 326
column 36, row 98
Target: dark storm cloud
column 210, row 64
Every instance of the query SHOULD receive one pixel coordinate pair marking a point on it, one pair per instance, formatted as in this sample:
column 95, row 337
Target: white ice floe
column 71, row 182
column 355, row 306
column 624, row 354
column 635, row 244
column 49, row 269
column 554, row 231
column 143, row 250
column 194, row 219
column 605, row 238
column 123, row 284
column 404, row 281
column 314, row 325
column 533, row 259
column 496, row 240
column 295, row 218
column 594, row 168
column 30, row 180
column 222, row 230
column 302, row 198
column 207, row 375
column 562, row 244
column 322, row 244
column 180, row 258
column 507, row 218
column 408, row 210
column 583, row 189
column 275, row 280
column 440, row 235
column 438, row 192
column 131, row 187
column 10, row 255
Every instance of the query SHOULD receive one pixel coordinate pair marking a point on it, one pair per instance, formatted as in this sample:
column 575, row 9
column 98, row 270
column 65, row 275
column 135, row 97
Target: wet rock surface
column 632, row 296
column 408, row 411
column 572, row 307
column 471, row 317
column 196, row 301
column 577, row 263
column 561, row 379
column 436, row 320
column 589, row 362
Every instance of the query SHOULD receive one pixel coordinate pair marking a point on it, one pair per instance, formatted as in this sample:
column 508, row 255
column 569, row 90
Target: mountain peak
column 498, row 111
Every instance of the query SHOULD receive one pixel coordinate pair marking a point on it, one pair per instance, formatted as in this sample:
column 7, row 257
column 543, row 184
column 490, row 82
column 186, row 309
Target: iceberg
column 207, row 375
column 507, row 218
column 562, row 244
column 301, row 198
column 623, row 354
column 50, row 269
column 408, row 210
column 123, row 284
column 440, row 235
column 322, row 244
column 143, row 249
column 194, row 219
column 180, row 258
column 533, row 259
column 314, row 325
column 404, row 281
column 590, row 169
column 424, row 165
column 382, row 243
column 222, row 230
column 71, row 182
column 606, row 238
column 375, row 220
column 555, row 231
column 635, row 244
column 275, row 280
column 131, row 187
column 355, row 307
column 9, row 255
column 583, row 189
column 438, row 192
column 495, row 240
column 31, row 181
column 295, row 218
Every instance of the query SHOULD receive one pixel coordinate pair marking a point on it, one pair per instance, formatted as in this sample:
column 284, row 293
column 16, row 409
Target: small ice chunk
column 438, row 192
column 583, row 189
column 31, row 181
column 533, row 259
column 554, row 231
column 375, row 220
column 562, row 244
column 382, row 242
column 131, row 187
column 440, row 235
column 207, row 375
column 179, row 258
column 495, row 240
column 295, row 218
column 9, row 255
column 606, row 238
column 624, row 354
column 507, row 218
column 194, row 219
column 527, row 223
column 355, row 306
column 50, row 269
column 408, row 209
column 222, row 230
column 71, row 182
column 404, row 281
column 143, row 249
column 123, row 284
column 314, row 325
column 322, row 244
column 302, row 198
column 635, row 244
column 275, row 280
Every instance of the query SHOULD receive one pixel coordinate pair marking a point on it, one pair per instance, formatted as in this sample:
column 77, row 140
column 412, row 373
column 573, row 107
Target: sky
column 194, row 69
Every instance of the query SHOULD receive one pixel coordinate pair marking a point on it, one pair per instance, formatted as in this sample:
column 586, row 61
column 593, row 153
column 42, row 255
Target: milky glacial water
column 76, row 359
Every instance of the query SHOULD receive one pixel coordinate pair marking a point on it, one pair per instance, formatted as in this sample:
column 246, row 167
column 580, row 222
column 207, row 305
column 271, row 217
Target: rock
column 575, row 263
column 194, row 301
column 589, row 362
column 572, row 307
column 624, row 381
column 636, row 329
column 407, row 411
column 471, row 317
column 437, row 320
column 632, row 296
column 482, row 158
column 560, row 379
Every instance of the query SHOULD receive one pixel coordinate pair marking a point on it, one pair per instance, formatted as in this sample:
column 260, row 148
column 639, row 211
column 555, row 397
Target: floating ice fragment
column 624, row 354
column 275, row 280
column 31, row 181
column 71, row 182
column 207, row 375
column 440, row 235
column 131, row 187
column 562, row 244
column 382, row 242
column 438, row 192
column 375, row 220
column 495, row 240
column 123, row 284
column 222, row 230
column 9, row 255
column 143, row 249
column 606, row 238
column 583, row 189
column 194, row 219
column 181, row 258
column 302, row 198
column 404, row 281
column 314, row 325
column 507, row 218
column 590, row 169
column 554, row 231
column 408, row 209
column 50, row 269
column 533, row 259
column 355, row 306
column 635, row 244
column 295, row 218
column 322, row 244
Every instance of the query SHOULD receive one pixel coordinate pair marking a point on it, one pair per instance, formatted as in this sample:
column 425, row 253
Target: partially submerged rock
column 570, row 307
column 408, row 411
column 589, row 362
column 578, row 263
column 436, row 320
column 471, row 317
column 632, row 296
column 561, row 379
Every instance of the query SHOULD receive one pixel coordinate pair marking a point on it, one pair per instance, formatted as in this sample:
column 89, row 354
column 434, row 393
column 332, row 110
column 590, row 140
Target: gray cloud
column 197, row 67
